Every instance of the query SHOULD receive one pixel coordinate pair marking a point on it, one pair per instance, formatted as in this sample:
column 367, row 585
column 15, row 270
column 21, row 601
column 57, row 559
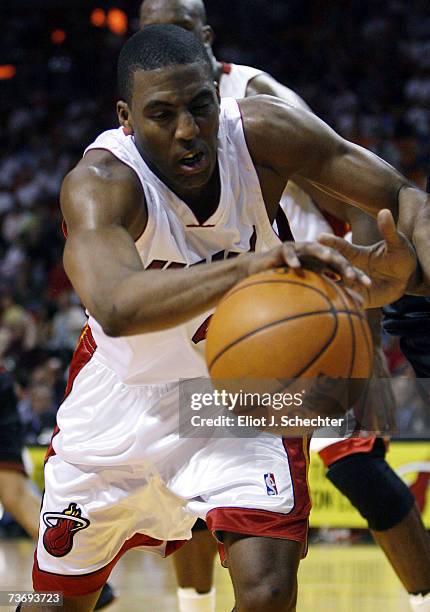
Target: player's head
column 170, row 103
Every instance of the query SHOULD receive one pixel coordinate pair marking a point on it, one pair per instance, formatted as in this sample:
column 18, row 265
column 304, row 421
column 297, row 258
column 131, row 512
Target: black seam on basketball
column 365, row 334
column 285, row 281
column 332, row 312
column 322, row 350
column 352, row 314
column 351, row 326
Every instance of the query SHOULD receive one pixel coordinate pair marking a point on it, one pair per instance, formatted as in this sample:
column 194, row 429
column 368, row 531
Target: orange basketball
column 285, row 324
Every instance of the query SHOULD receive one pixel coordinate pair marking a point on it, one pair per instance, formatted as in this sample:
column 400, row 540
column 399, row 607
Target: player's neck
column 204, row 202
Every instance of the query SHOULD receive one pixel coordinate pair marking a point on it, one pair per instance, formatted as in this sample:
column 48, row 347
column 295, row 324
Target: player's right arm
column 105, row 212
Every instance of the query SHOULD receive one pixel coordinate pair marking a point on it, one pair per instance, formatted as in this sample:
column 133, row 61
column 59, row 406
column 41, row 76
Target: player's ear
column 208, row 35
column 124, row 115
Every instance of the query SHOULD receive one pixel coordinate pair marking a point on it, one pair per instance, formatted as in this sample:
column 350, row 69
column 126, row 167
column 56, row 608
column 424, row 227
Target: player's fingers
column 356, row 297
column 289, row 255
column 387, row 228
column 336, row 261
column 337, row 243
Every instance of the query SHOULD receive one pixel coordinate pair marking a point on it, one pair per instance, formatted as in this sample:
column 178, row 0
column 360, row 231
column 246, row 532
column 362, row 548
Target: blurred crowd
column 362, row 65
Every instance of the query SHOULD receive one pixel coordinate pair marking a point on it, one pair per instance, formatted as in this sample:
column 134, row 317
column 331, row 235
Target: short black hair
column 157, row 46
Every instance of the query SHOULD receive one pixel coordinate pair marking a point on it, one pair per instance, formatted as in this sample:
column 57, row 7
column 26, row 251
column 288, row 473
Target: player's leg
column 20, row 500
column 16, row 493
column 263, row 572
column 407, row 547
column 194, row 566
column 389, row 508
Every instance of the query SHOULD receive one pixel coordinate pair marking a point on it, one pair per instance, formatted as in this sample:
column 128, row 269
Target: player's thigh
column 263, row 571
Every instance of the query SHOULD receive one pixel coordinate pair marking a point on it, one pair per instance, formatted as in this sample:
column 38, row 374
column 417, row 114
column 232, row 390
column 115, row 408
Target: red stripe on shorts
column 84, row 584
column 82, row 355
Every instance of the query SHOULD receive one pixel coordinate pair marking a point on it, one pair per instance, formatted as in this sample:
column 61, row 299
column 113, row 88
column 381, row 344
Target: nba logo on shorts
column 271, row 487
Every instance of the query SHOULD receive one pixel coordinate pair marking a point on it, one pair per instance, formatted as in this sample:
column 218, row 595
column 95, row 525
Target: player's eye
column 161, row 116
column 201, row 108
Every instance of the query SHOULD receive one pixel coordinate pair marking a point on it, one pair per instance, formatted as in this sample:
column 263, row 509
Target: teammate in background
column 393, row 518
column 186, row 181
column 17, row 496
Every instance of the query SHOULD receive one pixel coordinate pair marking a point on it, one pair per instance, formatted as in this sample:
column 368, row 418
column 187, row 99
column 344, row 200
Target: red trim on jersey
column 339, row 227
column 84, row 584
column 419, row 489
column 82, row 355
column 15, row 466
column 225, row 68
column 344, row 448
column 127, row 131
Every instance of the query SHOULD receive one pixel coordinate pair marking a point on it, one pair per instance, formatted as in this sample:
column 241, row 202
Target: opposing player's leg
column 389, row 508
column 263, row 571
column 19, row 499
column 16, row 493
column 194, row 566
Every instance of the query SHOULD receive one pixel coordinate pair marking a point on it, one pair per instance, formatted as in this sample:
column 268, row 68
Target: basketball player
column 394, row 518
column 17, row 496
column 187, row 181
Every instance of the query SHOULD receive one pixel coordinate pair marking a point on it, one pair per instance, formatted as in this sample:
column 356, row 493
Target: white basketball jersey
column 305, row 220
column 234, row 80
column 173, row 237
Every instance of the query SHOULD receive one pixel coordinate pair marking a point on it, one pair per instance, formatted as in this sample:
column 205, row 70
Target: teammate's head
column 187, row 14
column 170, row 104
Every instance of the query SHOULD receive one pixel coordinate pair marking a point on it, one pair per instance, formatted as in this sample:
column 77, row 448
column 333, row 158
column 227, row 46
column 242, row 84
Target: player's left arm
column 298, row 145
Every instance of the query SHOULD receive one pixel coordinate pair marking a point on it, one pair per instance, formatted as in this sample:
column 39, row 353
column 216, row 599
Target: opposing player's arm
column 104, row 209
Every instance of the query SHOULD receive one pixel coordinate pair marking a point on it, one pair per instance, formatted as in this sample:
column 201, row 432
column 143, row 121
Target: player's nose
column 186, row 128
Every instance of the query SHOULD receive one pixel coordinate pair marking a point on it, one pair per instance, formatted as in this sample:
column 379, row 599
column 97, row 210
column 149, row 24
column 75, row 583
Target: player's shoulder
column 267, row 112
column 100, row 173
column 101, row 186
column 101, row 167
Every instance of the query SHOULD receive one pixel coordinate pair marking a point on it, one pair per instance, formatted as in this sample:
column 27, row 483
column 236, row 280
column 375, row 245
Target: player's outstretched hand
column 389, row 263
column 310, row 255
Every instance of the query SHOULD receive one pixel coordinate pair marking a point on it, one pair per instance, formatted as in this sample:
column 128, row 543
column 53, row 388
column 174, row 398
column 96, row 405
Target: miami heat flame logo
column 61, row 528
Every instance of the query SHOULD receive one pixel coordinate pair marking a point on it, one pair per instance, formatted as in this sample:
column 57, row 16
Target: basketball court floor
column 351, row 578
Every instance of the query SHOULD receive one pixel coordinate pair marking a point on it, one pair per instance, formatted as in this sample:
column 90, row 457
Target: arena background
column 362, row 65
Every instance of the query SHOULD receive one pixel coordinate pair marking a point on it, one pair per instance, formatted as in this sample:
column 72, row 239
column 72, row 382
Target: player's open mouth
column 193, row 162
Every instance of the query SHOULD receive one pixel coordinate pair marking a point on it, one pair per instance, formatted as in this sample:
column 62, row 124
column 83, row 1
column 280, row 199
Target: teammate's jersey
column 235, row 78
column 305, row 220
column 174, row 238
